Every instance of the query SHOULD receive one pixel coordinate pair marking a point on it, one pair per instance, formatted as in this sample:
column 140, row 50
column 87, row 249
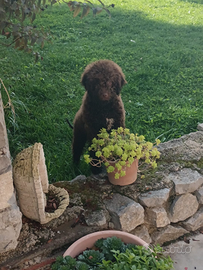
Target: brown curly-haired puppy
column 101, row 107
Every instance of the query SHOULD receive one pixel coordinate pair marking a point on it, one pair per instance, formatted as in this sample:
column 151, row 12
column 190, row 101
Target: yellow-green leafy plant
column 122, row 148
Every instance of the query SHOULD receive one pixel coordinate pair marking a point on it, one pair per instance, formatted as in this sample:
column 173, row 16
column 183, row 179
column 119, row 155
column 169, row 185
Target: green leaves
column 121, row 148
column 77, row 6
column 91, row 257
column 113, row 254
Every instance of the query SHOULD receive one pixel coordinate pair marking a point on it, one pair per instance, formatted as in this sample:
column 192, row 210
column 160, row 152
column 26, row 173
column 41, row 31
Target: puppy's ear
column 84, row 80
column 120, row 83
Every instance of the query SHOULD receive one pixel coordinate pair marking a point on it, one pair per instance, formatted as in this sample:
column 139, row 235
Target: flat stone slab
column 187, row 256
column 126, row 214
column 183, row 207
column 186, row 180
column 154, row 198
column 188, row 147
column 195, row 222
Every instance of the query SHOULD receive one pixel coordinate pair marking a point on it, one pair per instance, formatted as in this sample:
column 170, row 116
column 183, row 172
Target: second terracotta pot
column 88, row 241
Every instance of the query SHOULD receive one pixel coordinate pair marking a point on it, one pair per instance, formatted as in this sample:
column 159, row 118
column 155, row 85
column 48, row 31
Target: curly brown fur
column 101, row 107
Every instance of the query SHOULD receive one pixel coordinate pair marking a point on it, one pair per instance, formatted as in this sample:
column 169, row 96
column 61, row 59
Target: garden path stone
column 126, row 214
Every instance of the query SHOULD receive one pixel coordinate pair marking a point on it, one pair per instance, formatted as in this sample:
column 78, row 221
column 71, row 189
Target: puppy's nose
column 105, row 96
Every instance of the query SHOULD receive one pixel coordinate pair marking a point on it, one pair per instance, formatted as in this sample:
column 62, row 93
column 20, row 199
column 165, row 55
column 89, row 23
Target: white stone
column 195, row 222
column 157, row 216
column 186, row 180
column 154, row 198
column 126, row 214
column 183, row 207
column 167, row 234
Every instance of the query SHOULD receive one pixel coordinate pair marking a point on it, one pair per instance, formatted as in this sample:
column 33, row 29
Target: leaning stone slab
column 199, row 194
column 186, row 180
column 10, row 225
column 5, row 161
column 126, row 214
column 195, row 222
column 157, row 216
column 142, row 232
column 6, row 189
column 183, row 207
column 167, row 234
column 154, row 198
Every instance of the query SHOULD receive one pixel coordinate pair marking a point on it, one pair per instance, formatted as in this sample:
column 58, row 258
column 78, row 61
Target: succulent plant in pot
column 112, row 250
column 120, row 151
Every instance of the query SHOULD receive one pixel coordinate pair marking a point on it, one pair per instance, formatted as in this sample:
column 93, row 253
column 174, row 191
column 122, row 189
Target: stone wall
column 10, row 214
column 161, row 207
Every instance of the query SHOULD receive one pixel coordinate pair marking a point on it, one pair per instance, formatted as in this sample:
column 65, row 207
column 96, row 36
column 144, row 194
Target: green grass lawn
column 159, row 46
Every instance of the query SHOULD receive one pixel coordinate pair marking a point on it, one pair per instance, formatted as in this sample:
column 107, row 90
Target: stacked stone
column 163, row 215
column 10, row 214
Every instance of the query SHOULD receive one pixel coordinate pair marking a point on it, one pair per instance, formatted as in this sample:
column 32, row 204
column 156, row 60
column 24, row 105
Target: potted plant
column 112, row 250
column 120, row 151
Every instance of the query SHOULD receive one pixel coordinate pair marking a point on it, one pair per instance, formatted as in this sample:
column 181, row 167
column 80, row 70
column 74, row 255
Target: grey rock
column 167, row 234
column 200, row 127
column 199, row 194
column 96, row 218
column 154, row 198
column 195, row 222
column 186, row 180
column 142, row 232
column 157, row 216
column 188, row 147
column 183, row 207
column 126, row 214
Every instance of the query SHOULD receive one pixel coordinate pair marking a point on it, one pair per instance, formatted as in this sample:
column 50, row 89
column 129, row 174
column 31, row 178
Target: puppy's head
column 103, row 80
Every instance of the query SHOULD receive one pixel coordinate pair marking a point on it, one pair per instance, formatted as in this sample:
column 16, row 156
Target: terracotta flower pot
column 88, row 241
column 128, row 178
